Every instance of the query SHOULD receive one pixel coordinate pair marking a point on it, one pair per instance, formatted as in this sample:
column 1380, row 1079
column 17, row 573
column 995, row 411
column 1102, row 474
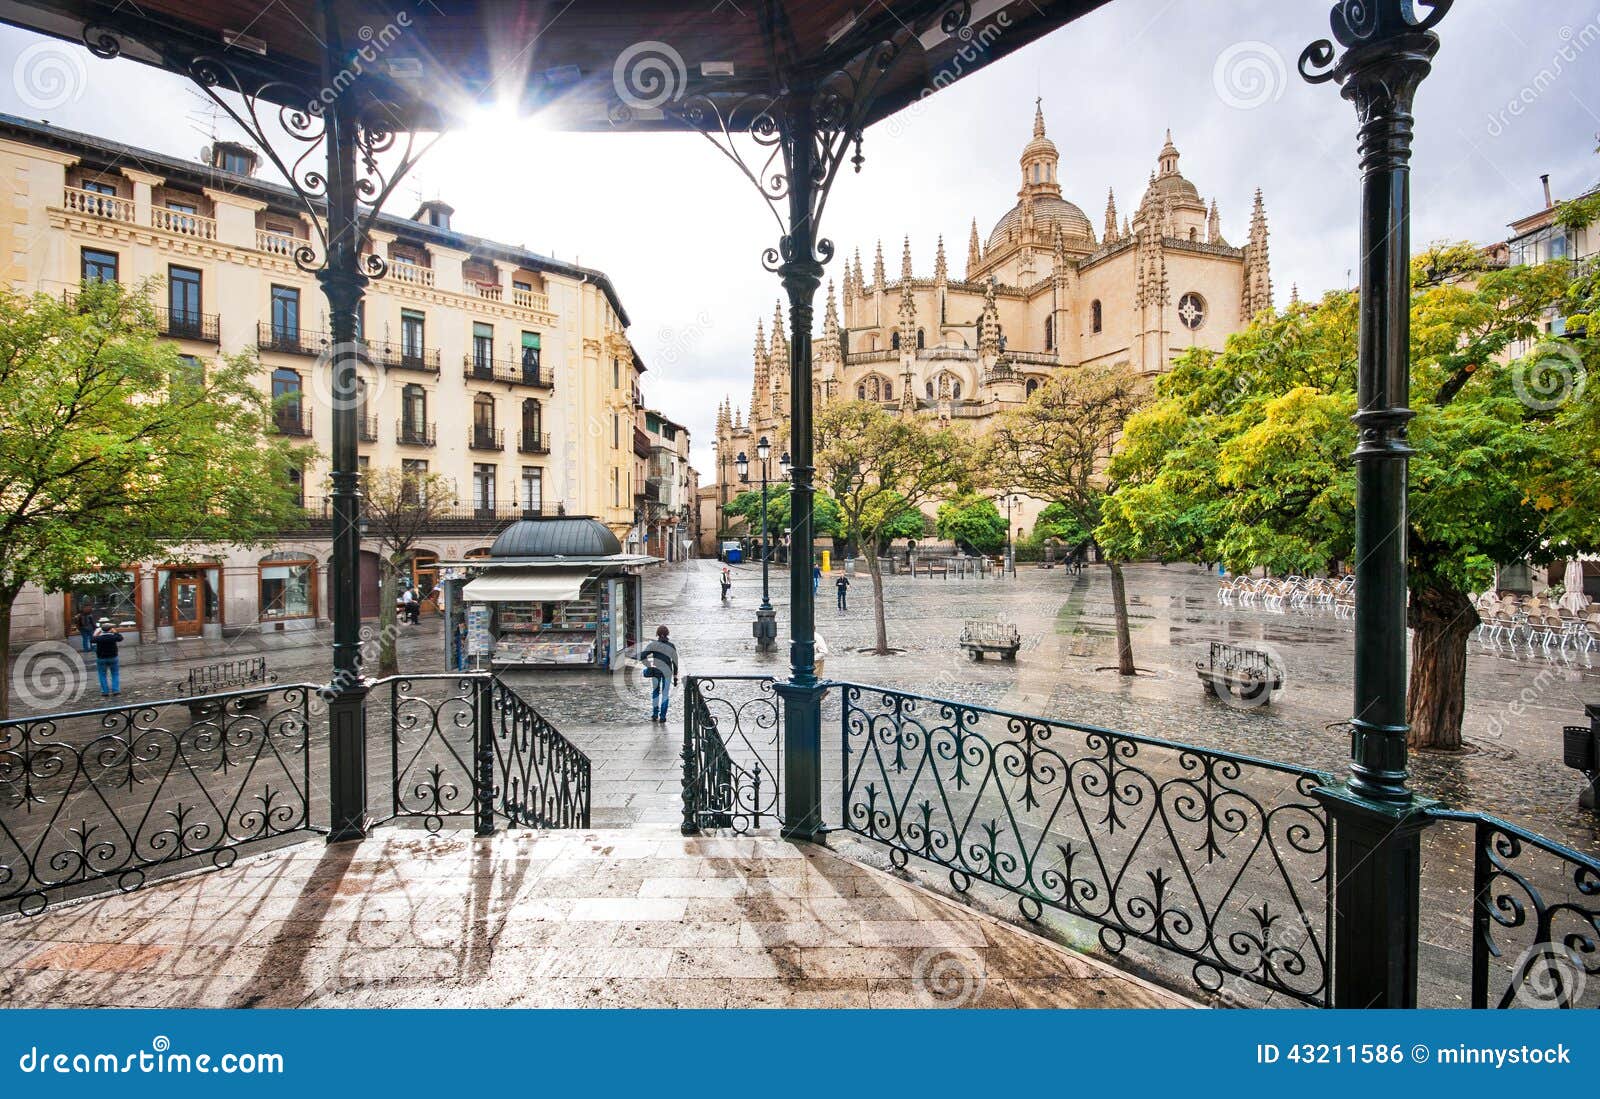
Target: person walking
column 408, row 606
column 727, row 582
column 843, row 586
column 660, row 659
column 86, row 624
column 816, row 579
column 106, row 663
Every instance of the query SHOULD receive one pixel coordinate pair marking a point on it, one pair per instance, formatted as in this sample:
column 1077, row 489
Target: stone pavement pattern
column 628, row 918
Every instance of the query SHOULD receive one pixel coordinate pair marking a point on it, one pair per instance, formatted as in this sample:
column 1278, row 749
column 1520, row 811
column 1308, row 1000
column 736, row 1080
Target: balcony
column 367, row 429
column 289, row 341
column 180, row 324
column 317, row 515
column 509, row 371
column 412, row 274
column 416, row 433
column 184, row 224
column 532, row 442
column 486, row 438
column 279, row 244
column 528, row 299
column 399, row 356
column 292, row 420
column 488, row 291
column 94, row 204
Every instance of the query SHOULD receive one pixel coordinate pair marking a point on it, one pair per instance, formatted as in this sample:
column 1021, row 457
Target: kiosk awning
column 534, row 586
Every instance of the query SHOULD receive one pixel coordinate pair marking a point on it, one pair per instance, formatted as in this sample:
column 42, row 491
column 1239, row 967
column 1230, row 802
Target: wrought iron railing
column 467, row 747
column 732, row 756
column 1222, row 859
column 1535, row 918
column 106, row 798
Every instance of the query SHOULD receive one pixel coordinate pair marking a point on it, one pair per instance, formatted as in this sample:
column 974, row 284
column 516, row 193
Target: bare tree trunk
column 388, row 659
column 1119, row 606
column 1442, row 620
column 875, row 571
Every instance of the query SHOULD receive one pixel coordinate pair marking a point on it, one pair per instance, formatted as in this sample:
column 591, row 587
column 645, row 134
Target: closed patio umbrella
column 1574, row 599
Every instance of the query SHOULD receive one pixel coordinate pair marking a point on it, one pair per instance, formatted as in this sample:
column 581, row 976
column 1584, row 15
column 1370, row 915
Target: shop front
column 553, row 591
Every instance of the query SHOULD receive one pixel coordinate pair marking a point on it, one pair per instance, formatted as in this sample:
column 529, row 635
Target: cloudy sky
column 681, row 234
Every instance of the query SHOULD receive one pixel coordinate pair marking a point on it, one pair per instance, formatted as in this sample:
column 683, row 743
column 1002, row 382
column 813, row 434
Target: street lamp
column 765, row 628
column 1011, row 558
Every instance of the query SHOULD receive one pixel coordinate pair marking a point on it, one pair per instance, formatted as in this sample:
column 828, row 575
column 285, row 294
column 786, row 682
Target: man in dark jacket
column 660, row 659
column 843, row 586
column 106, row 639
column 86, row 625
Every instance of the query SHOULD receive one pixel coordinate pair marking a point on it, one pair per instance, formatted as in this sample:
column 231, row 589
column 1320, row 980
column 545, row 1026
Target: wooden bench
column 1248, row 675
column 226, row 676
column 929, row 566
column 980, row 638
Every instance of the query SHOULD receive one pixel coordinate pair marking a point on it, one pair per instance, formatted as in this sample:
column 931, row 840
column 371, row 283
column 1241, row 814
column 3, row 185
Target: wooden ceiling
column 582, row 64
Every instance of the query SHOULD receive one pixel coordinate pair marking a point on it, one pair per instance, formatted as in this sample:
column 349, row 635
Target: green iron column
column 802, row 696
column 1377, row 819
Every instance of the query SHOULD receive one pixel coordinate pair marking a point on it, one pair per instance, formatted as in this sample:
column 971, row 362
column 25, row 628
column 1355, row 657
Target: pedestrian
column 843, row 586
column 408, row 605
column 106, row 641
column 86, row 624
column 816, row 579
column 727, row 582
column 660, row 658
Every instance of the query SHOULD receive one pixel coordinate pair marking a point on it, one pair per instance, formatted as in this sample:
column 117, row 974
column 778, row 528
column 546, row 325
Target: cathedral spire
column 1038, row 116
column 877, row 268
column 1214, row 225
column 989, row 326
column 941, row 272
column 905, row 261
column 974, row 252
column 1257, row 265
column 1111, row 215
column 760, row 395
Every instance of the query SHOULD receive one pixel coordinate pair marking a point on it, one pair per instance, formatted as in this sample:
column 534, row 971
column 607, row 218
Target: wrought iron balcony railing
column 184, row 325
column 486, row 438
column 290, row 341
column 509, row 371
column 367, row 429
column 400, row 356
column 533, row 442
column 294, row 420
column 416, row 433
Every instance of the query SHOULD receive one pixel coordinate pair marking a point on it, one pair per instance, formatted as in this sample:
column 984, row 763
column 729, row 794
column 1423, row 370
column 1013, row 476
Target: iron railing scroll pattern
column 432, row 731
column 107, row 798
column 732, row 753
column 1222, row 859
column 1535, row 918
column 541, row 779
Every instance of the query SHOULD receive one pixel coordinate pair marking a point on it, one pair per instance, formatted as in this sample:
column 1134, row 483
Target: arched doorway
column 425, row 576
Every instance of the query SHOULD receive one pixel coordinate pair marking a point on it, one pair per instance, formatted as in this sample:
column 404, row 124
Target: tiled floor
column 628, row 918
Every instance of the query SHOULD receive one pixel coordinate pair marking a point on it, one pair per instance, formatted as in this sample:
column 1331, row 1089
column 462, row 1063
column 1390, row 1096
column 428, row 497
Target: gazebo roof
column 555, row 536
column 591, row 65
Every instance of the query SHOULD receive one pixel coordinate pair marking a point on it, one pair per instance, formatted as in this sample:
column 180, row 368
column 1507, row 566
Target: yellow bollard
column 827, row 563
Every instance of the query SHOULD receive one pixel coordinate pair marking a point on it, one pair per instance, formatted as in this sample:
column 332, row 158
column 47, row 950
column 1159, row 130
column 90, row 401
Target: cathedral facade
column 1043, row 293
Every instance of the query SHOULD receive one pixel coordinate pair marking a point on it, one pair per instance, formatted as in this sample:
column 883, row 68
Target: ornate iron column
column 1377, row 858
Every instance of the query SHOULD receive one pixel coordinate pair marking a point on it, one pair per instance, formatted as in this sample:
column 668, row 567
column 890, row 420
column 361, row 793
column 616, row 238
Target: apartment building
column 508, row 372
column 667, row 514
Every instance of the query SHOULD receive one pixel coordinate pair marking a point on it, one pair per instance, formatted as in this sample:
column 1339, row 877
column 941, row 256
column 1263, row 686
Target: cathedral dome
column 1048, row 210
column 1169, row 186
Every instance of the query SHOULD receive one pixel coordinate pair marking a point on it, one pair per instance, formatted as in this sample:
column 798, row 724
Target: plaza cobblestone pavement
column 639, row 917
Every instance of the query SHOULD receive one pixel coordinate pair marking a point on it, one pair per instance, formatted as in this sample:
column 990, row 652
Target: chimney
column 434, row 212
column 1548, row 201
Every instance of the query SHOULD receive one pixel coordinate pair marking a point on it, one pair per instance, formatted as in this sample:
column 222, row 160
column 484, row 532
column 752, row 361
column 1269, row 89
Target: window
column 1032, row 386
column 483, row 487
column 234, row 161
column 414, row 410
column 113, row 595
column 99, row 266
column 532, row 423
column 286, row 400
column 1192, row 310
column 190, row 375
column 286, row 587
column 413, row 333
column 921, row 340
column 861, row 392
column 285, row 314
column 184, row 221
column 888, row 391
column 296, row 479
column 413, row 475
column 930, row 390
column 183, row 301
column 106, row 208
column 522, row 284
column 530, row 356
column 483, row 348
column 1050, row 333
column 894, row 341
column 532, row 489
column 483, row 420
column 616, row 432
column 616, row 374
column 1094, row 315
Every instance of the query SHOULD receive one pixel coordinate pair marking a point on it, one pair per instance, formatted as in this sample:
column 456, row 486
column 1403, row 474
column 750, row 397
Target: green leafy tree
column 747, row 506
column 400, row 508
column 114, row 449
column 973, row 522
column 881, row 469
column 1059, row 522
column 1245, row 458
column 1055, row 448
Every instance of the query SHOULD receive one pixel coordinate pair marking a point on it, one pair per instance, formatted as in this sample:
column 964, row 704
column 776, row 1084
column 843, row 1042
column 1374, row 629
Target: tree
column 1058, row 521
column 972, row 521
column 1055, row 447
column 400, row 508
column 1245, row 457
column 881, row 469
column 747, row 506
column 114, row 448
